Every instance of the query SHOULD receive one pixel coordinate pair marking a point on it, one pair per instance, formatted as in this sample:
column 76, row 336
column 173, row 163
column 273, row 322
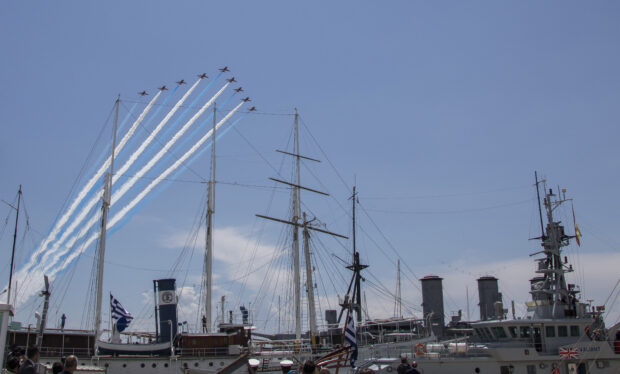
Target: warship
column 559, row 334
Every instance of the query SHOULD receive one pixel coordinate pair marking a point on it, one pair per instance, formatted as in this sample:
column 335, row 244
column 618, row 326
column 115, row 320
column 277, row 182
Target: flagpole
column 110, row 318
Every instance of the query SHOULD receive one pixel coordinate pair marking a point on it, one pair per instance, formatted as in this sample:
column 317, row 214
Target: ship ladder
column 265, row 364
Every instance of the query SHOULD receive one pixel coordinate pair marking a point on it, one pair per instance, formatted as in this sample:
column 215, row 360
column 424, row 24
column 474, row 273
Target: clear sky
column 439, row 111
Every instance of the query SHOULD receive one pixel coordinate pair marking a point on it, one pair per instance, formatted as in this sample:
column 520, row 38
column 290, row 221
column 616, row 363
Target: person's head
column 57, row 367
column 403, row 359
column 12, row 364
column 33, row 353
column 71, row 363
column 286, row 366
column 309, row 367
column 324, row 371
column 414, row 364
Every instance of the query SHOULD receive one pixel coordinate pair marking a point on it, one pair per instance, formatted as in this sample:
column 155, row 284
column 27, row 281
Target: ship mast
column 209, row 232
column 19, row 198
column 305, row 226
column 553, row 297
column 296, row 216
column 105, row 207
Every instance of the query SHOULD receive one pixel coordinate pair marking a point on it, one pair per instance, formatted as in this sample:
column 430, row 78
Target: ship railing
column 65, row 351
column 207, row 352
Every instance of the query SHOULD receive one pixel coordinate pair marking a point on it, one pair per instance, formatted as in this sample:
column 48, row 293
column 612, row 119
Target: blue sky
column 441, row 111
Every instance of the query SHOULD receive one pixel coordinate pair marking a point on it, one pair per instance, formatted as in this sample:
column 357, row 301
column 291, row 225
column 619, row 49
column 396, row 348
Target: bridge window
column 562, row 331
column 525, row 331
column 499, row 332
column 513, row 331
column 574, row 331
column 550, row 331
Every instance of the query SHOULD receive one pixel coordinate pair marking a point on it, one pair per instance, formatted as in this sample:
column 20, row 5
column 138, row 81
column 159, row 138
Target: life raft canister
column 556, row 370
column 420, row 349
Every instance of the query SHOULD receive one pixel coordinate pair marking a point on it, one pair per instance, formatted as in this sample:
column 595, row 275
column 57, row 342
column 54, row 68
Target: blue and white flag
column 120, row 314
column 350, row 337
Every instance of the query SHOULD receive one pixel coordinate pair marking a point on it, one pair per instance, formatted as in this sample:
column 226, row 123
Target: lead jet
column 246, row 99
column 182, row 81
column 231, row 80
column 163, row 88
column 240, row 89
column 143, row 93
column 203, row 76
column 224, row 69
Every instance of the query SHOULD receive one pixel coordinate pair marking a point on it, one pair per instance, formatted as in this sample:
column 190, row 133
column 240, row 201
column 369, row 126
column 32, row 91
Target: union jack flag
column 569, row 353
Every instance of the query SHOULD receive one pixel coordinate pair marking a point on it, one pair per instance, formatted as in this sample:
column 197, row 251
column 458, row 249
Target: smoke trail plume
column 63, row 219
column 127, row 208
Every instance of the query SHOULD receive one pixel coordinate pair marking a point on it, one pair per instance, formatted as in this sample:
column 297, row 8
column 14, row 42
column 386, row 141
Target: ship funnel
column 489, row 295
column 432, row 303
column 166, row 308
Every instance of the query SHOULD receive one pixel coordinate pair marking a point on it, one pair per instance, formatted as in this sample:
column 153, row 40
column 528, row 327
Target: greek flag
column 349, row 337
column 118, row 311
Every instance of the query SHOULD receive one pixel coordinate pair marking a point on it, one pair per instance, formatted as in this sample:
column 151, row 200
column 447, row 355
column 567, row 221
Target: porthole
column 154, row 365
column 210, row 363
column 195, row 364
column 185, row 365
column 106, row 365
column 221, row 363
column 166, row 365
column 124, row 365
column 477, row 370
column 142, row 365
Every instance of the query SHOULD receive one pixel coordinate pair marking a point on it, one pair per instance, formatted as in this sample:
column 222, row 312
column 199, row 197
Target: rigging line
column 83, row 168
column 386, row 239
column 446, row 195
column 429, row 212
column 269, row 205
column 324, row 154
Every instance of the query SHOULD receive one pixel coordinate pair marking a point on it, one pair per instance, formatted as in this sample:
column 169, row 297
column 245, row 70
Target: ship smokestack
column 489, row 295
column 432, row 303
column 166, row 304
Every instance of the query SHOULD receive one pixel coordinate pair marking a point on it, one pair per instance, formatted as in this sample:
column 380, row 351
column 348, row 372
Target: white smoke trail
column 121, row 214
column 82, row 194
column 126, row 186
column 52, row 270
column 97, row 197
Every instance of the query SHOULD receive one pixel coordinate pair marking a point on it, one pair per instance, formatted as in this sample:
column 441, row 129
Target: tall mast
column 296, row 217
column 105, row 207
column 398, row 310
column 542, row 228
column 356, row 267
column 309, row 283
column 19, row 198
column 209, row 232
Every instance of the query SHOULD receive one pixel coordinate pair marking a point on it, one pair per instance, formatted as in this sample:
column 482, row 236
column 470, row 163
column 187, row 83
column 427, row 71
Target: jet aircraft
column 231, row 80
column 224, row 69
column 182, row 81
column 240, row 89
column 163, row 88
column 203, row 76
column 246, row 99
column 143, row 93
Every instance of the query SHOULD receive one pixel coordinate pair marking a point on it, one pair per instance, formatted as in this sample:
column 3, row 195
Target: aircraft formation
column 204, row 76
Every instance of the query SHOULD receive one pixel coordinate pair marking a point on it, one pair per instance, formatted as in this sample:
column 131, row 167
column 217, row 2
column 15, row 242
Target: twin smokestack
column 491, row 306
